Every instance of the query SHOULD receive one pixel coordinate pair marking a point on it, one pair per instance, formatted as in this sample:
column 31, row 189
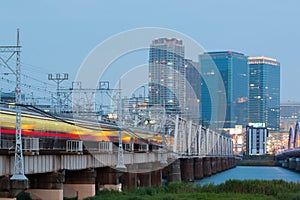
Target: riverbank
column 268, row 163
column 254, row 160
column 231, row 189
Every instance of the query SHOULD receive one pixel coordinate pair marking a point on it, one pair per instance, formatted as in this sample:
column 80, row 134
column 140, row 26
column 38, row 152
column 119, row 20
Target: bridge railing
column 74, row 146
column 192, row 139
column 31, row 144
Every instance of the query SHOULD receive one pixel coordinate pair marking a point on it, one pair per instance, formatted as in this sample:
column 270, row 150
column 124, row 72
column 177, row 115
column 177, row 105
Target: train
column 53, row 131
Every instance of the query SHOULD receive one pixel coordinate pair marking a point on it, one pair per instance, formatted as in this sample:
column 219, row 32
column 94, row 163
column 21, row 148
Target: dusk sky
column 58, row 35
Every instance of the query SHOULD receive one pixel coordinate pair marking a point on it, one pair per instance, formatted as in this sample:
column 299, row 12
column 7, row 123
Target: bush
column 177, row 187
column 290, row 196
column 237, row 189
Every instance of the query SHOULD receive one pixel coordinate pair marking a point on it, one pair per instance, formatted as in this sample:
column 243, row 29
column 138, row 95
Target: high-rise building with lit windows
column 264, row 91
column 233, row 69
column 193, row 90
column 167, row 74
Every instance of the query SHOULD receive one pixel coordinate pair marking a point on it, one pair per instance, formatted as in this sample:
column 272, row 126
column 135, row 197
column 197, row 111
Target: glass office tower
column 264, row 92
column 193, row 90
column 233, row 68
column 167, row 74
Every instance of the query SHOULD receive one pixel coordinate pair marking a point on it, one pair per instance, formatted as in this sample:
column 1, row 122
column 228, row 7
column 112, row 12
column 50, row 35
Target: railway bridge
column 75, row 158
column 290, row 158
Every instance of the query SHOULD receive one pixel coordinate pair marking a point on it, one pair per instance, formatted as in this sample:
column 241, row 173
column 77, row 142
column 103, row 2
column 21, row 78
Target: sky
column 57, row 36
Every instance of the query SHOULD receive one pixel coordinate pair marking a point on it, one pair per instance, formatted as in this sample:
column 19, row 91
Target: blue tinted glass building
column 233, row 68
column 264, row 91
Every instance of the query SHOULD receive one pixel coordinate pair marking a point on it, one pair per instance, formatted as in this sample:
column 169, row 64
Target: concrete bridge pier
column 107, row 175
column 223, row 164
column 47, row 185
column 198, row 168
column 230, row 163
column 292, row 163
column 144, row 179
column 219, row 164
column 149, row 178
column 233, row 162
column 130, row 181
column 213, row 165
column 80, row 184
column 172, row 172
column 285, row 164
column 156, row 178
column 297, row 164
column 187, row 169
column 142, row 175
column 227, row 163
column 207, row 166
column 11, row 188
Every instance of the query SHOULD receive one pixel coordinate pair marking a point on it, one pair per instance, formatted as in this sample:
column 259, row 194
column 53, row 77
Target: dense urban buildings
column 289, row 115
column 233, row 68
column 290, row 110
column 166, row 74
column 264, row 92
column 251, row 90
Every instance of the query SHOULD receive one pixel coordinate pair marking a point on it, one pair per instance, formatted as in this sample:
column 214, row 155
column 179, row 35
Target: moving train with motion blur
column 53, row 132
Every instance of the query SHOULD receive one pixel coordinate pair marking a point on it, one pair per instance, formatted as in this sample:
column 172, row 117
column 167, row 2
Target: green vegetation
column 232, row 189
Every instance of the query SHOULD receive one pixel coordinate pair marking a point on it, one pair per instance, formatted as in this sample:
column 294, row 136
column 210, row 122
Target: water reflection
column 245, row 172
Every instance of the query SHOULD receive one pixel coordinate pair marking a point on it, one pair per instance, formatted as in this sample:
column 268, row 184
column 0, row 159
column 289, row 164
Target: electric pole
column 120, row 165
column 58, row 78
column 14, row 51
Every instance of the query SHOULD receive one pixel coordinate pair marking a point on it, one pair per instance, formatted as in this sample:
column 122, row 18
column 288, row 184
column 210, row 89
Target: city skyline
column 57, row 36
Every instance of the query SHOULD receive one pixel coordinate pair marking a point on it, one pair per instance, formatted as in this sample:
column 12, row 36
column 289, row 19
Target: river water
column 245, row 172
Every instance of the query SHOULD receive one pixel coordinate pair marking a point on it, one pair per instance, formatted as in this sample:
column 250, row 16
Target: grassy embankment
column 232, row 189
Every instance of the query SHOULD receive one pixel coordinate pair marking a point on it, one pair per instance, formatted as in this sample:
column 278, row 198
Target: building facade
column 290, row 110
column 264, row 92
column 193, row 90
column 233, row 68
column 166, row 74
column 256, row 139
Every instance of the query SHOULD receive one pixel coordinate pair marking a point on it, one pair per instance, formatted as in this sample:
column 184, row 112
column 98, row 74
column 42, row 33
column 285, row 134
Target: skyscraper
column 166, row 74
column 264, row 91
column 193, row 90
column 233, row 69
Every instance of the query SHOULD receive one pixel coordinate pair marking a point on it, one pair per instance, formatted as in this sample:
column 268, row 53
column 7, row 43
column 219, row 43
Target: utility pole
column 58, row 78
column 120, row 165
column 15, row 51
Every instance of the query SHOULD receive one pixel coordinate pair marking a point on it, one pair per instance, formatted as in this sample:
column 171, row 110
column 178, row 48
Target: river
column 245, row 172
